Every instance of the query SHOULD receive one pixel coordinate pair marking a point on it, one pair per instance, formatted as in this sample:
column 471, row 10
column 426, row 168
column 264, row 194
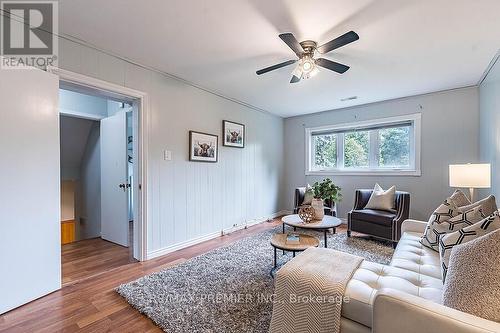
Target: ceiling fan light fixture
column 314, row 71
column 306, row 51
column 307, row 64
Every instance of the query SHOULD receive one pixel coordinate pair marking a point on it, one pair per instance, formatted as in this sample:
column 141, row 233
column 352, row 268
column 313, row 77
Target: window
column 384, row 146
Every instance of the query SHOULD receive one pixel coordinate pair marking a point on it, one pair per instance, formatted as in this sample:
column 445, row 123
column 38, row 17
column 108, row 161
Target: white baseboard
column 179, row 246
column 250, row 223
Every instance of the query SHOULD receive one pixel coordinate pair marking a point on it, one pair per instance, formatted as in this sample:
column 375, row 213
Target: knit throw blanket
column 309, row 291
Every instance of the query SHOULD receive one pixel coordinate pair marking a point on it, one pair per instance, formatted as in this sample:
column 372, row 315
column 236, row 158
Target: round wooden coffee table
column 328, row 223
column 279, row 242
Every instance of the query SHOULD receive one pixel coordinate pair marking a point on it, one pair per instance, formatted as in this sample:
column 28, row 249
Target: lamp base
column 471, row 192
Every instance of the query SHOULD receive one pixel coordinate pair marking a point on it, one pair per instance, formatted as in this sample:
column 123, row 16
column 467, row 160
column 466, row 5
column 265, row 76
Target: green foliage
column 325, row 151
column 327, row 190
column 356, row 145
column 393, row 149
column 394, row 146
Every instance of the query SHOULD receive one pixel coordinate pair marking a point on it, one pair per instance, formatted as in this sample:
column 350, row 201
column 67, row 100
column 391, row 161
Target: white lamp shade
column 470, row 175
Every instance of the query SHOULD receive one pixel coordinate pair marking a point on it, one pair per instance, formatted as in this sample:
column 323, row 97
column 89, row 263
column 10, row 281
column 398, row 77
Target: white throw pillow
column 382, row 200
column 308, row 196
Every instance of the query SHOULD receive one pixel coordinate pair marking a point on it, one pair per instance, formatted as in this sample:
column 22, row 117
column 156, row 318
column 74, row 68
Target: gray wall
column 90, row 186
column 73, row 138
column 450, row 123
column 489, row 101
column 189, row 200
column 80, row 162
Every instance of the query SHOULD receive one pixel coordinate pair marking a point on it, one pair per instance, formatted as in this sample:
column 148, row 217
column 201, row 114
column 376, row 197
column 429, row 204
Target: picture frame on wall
column 233, row 134
column 203, row 147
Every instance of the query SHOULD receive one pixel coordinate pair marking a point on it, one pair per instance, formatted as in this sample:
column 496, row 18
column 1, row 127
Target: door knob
column 122, row 186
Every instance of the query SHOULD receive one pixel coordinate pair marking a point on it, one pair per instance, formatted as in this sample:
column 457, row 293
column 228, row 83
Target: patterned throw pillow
column 488, row 205
column 447, row 242
column 460, row 199
column 443, row 213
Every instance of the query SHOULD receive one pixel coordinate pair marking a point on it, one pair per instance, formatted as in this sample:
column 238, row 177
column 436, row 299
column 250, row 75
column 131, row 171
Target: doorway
column 97, row 213
column 30, row 131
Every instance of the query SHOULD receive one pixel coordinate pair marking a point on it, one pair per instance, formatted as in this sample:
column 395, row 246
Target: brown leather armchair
column 378, row 223
column 330, row 207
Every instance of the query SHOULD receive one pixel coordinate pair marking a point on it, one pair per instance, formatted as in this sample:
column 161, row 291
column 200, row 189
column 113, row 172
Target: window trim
column 415, row 147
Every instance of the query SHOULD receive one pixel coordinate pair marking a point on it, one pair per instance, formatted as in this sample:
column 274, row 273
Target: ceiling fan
column 305, row 51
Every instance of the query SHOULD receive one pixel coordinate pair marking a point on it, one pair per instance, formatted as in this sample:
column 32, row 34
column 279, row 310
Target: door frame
column 118, row 91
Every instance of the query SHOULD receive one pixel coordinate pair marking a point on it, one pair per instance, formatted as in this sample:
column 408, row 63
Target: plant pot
column 319, row 210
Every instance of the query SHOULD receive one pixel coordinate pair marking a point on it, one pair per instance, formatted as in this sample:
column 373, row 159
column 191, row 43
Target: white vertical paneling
column 111, row 68
column 189, row 199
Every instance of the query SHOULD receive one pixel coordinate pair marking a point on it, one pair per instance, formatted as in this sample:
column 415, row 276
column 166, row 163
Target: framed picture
column 203, row 147
column 233, row 134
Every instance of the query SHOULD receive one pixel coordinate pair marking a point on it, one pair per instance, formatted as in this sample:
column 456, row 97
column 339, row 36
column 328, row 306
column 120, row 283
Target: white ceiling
column 406, row 47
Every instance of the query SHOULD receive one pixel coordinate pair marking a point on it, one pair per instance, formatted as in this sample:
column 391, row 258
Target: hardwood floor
column 90, row 257
column 92, row 305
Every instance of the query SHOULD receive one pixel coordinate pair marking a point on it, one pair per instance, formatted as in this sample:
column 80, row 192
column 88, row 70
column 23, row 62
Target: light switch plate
column 167, row 155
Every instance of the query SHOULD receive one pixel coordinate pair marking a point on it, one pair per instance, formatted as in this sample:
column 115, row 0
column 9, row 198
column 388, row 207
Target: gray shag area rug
column 228, row 289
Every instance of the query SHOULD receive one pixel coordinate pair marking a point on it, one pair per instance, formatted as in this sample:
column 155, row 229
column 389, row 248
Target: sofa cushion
column 432, row 232
column 473, row 281
column 411, row 255
column 447, row 242
column 371, row 277
column 376, row 216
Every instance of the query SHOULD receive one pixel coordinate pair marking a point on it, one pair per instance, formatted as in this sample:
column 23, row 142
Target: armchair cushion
column 380, row 217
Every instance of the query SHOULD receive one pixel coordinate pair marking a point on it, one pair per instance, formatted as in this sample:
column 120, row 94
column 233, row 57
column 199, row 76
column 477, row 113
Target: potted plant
column 326, row 190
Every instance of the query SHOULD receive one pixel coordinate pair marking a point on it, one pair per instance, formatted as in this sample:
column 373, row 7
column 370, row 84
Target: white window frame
column 415, row 146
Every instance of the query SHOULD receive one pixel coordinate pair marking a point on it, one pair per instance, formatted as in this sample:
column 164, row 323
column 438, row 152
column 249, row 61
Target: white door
column 30, row 224
column 114, row 185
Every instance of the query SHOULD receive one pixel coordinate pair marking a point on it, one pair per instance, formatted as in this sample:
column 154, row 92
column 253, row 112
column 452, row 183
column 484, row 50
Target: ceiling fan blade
column 332, row 65
column 345, row 39
column 272, row 68
column 296, row 74
column 295, row 79
column 292, row 43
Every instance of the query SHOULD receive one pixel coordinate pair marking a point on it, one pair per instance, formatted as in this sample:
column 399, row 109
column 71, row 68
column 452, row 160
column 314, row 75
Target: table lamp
column 470, row 176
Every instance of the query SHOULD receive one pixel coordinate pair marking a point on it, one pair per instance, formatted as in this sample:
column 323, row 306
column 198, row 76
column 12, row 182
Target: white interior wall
column 78, row 104
column 190, row 201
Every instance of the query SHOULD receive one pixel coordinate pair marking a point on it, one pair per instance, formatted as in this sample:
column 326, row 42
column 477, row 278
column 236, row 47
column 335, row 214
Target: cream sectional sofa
column 405, row 296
